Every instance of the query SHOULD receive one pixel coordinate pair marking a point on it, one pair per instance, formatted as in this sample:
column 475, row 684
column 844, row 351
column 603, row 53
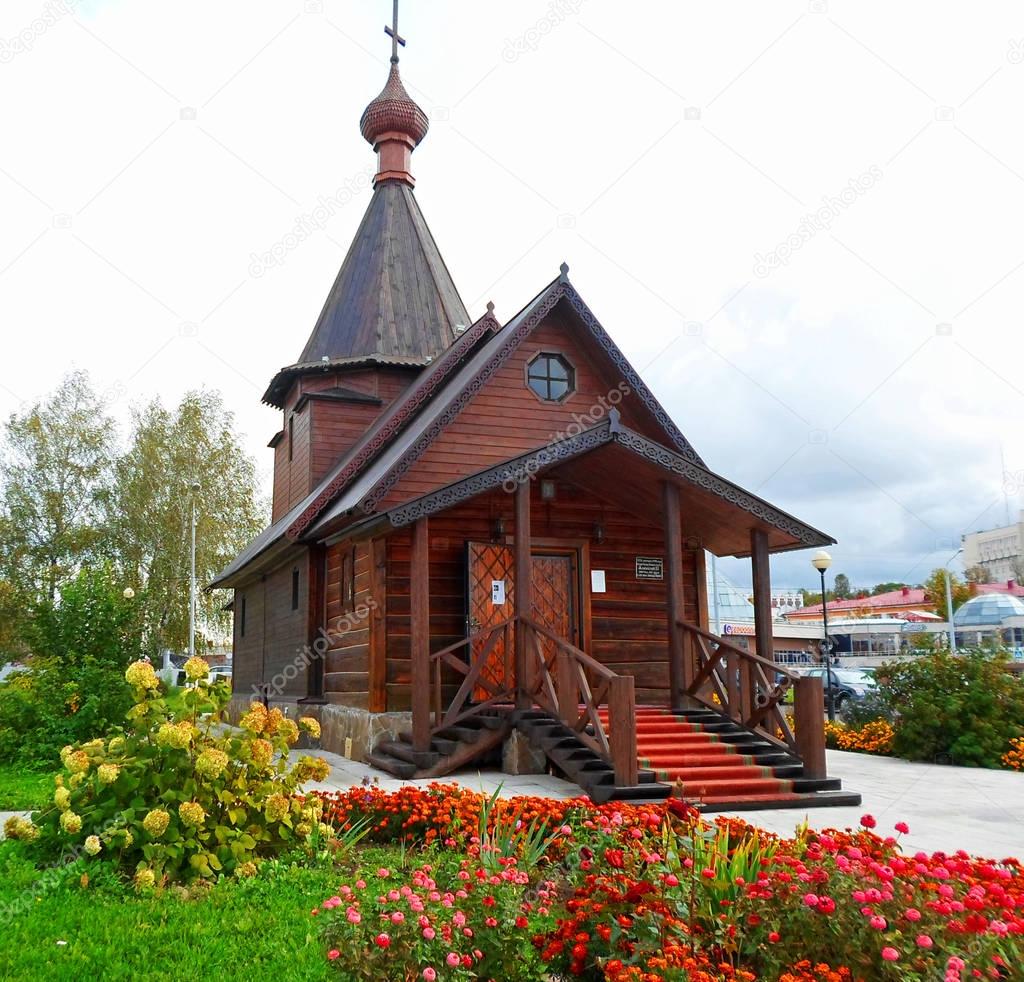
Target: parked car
column 847, row 683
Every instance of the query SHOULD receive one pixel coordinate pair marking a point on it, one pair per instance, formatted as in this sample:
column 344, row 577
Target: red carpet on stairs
column 710, row 770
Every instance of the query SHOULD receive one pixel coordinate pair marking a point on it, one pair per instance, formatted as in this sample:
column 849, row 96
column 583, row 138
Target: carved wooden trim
column 703, row 478
column 403, row 413
column 512, row 341
column 512, row 473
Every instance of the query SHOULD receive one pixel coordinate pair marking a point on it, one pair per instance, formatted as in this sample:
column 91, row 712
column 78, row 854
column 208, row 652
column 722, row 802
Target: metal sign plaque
column 650, row 568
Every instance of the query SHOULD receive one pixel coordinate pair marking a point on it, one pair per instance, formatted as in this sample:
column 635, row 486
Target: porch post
column 419, row 640
column 680, row 673
column 762, row 593
column 762, row 615
column 523, row 591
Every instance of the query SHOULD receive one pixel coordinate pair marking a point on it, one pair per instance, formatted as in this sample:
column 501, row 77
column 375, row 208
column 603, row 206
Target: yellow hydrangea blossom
column 93, row 845
column 144, row 879
column 245, row 869
column 62, row 799
column 211, row 763
column 141, row 675
column 196, row 668
column 155, row 823
column 17, row 827
column 116, row 745
column 255, row 719
column 262, row 752
column 310, row 725
column 191, row 813
column 313, row 769
column 107, row 773
column 288, row 730
column 276, row 807
column 70, row 822
column 77, row 762
column 273, row 721
column 175, row 735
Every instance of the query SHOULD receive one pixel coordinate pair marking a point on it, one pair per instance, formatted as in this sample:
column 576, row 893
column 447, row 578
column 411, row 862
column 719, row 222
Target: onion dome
column 393, row 112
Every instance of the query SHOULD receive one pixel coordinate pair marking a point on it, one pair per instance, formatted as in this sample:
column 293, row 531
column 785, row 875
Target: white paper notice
column 497, row 592
column 597, row 584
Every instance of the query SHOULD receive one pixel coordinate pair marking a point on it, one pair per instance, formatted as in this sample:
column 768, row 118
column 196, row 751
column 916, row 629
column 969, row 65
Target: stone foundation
column 337, row 724
column 518, row 756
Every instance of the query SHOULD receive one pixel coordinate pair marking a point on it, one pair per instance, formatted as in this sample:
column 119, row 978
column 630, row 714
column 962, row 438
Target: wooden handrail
column 560, row 682
column 745, row 690
column 563, row 683
column 591, row 663
column 472, row 671
column 742, row 652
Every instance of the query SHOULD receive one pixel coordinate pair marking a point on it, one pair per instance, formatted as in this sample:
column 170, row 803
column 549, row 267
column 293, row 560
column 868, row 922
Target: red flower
column 868, row 821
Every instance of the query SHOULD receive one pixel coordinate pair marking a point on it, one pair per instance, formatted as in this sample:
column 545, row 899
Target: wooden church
column 488, row 543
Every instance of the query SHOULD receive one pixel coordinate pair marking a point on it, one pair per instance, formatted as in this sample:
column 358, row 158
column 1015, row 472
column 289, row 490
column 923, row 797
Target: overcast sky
column 863, row 377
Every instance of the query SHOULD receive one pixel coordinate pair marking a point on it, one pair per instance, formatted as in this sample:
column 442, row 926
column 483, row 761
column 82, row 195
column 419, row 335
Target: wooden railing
column 751, row 689
column 558, row 677
column 564, row 678
column 474, row 677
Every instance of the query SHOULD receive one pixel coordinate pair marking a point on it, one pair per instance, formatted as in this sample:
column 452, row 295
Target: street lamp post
column 949, row 602
column 192, row 578
column 821, row 562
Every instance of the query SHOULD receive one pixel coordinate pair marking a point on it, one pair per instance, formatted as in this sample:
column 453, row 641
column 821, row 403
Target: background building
column 1000, row 551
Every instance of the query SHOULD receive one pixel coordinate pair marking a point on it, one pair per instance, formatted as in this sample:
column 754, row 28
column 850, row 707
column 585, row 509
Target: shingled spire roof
column 393, row 301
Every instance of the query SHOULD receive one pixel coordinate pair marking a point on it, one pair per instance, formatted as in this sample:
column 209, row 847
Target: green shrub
column 178, row 795
column 967, row 706
column 73, row 687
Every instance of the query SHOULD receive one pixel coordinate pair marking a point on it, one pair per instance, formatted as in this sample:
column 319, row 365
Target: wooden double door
column 491, row 599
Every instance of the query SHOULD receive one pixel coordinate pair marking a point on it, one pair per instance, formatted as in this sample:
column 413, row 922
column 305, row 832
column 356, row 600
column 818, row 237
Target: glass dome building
column 988, row 610
column 989, row 615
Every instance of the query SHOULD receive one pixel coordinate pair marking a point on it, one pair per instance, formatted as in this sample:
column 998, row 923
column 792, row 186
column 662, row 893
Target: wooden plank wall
column 324, row 431
column 506, row 419
column 347, row 666
column 275, row 635
column 629, row 626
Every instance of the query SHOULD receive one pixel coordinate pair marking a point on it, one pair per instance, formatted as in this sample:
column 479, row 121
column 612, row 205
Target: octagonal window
column 551, row 377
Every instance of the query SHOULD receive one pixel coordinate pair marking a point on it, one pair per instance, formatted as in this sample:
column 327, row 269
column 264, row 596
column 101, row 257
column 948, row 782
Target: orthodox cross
column 396, row 38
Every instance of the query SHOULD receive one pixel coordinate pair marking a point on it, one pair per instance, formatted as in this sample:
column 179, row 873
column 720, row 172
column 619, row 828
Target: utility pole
column 192, row 578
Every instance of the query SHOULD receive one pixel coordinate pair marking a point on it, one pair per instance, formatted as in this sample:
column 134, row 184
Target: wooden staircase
column 719, row 765
column 476, row 740
column 733, row 748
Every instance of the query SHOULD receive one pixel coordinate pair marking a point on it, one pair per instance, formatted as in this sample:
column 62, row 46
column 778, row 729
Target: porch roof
column 625, row 468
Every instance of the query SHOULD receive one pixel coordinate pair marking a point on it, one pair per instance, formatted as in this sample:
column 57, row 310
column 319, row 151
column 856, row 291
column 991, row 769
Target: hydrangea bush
column 175, row 796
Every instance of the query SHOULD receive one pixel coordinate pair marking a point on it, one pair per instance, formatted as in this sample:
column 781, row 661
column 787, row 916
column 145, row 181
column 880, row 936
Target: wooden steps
column 724, row 767
column 474, row 741
column 721, row 766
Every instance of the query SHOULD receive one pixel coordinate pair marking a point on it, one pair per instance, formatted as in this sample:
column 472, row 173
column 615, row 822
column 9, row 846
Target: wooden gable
column 504, row 418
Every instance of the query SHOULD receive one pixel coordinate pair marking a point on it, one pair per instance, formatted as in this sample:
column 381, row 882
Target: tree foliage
column 935, row 588
column 172, row 450
column 81, row 642
column 55, row 470
column 841, row 588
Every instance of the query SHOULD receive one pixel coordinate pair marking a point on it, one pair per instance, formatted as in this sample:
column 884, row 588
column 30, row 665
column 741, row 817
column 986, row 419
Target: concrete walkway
column 947, row 808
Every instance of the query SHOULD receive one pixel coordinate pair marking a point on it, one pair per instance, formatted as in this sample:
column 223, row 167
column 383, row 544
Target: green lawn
column 252, row 929
column 22, row 790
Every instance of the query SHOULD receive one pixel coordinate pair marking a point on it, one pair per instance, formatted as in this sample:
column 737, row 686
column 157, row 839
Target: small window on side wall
column 550, row 377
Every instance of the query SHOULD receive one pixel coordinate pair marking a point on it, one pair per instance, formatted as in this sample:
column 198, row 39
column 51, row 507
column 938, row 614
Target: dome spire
column 393, row 124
